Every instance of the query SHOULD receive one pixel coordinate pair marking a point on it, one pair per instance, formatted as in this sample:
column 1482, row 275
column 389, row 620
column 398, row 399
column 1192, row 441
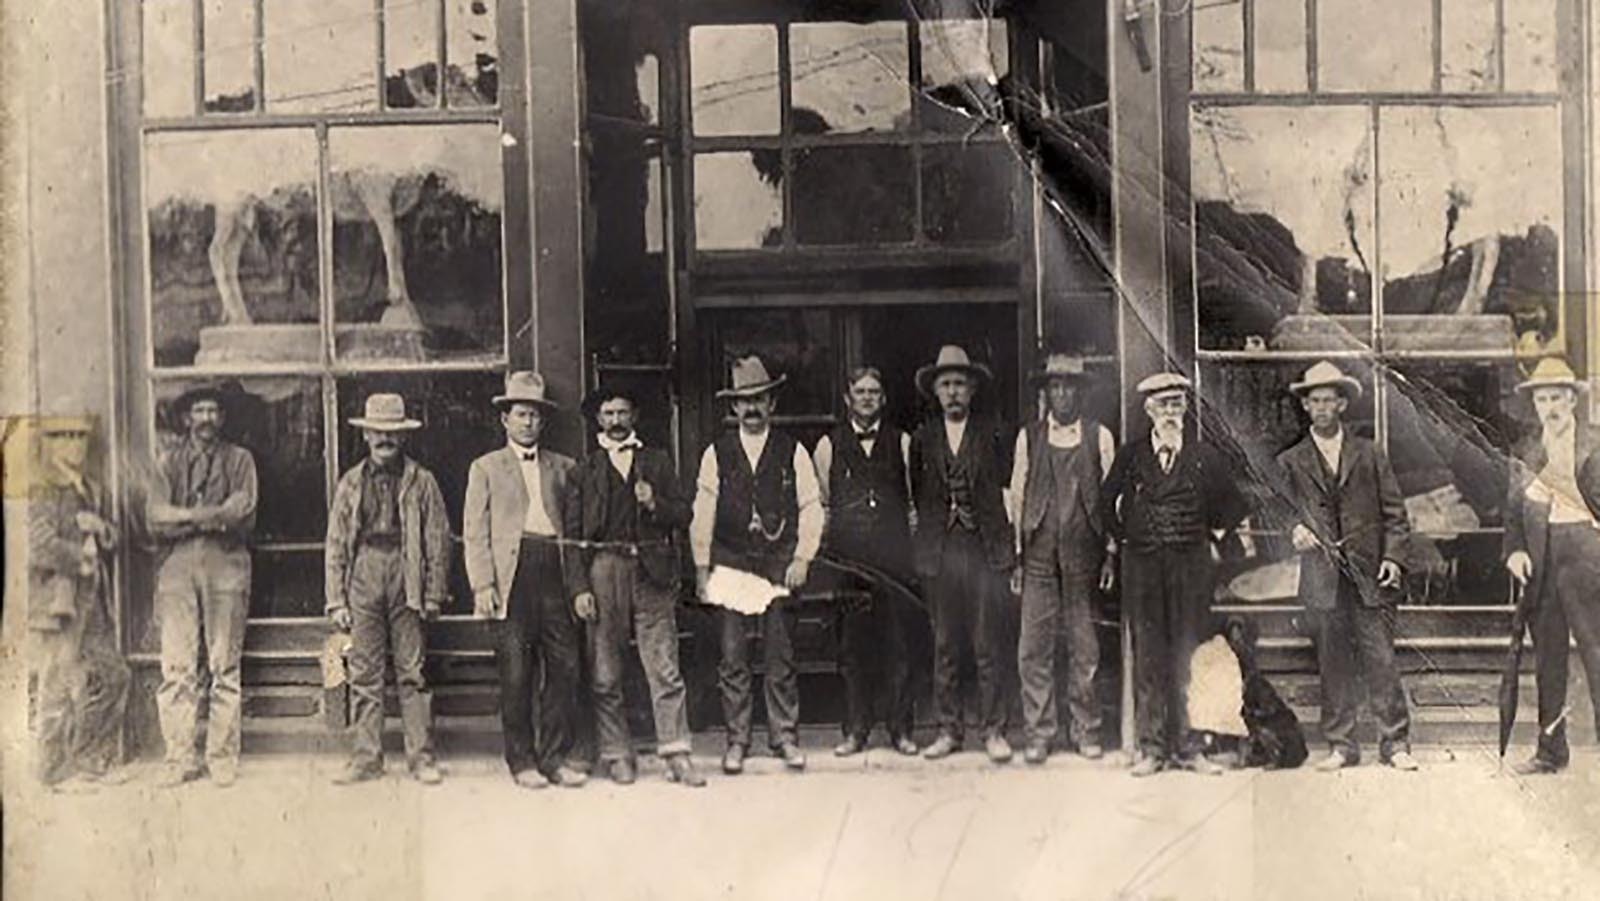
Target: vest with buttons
column 758, row 513
column 1165, row 509
column 867, row 502
column 1062, row 482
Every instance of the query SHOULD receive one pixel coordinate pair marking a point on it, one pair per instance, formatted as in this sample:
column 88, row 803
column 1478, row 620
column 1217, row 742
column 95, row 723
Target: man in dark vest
column 1552, row 548
column 1166, row 496
column 628, row 514
column 862, row 473
column 963, row 547
column 1349, row 528
column 1057, row 469
column 757, row 509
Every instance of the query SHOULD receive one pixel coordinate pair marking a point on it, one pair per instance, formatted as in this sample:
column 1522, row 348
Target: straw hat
column 386, row 413
column 1325, row 375
column 1551, row 372
column 1059, row 366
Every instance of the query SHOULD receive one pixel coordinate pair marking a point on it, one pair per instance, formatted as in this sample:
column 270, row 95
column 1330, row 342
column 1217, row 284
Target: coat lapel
column 511, row 473
column 1347, row 458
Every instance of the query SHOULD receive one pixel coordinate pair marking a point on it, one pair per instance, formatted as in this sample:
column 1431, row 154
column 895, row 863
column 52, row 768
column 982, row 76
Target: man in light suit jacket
column 515, row 508
column 1349, row 528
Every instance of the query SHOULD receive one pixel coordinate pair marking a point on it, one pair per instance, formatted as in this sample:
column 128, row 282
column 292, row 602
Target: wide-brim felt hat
column 1551, row 372
column 524, row 387
column 386, row 413
column 1060, row 366
column 1324, row 374
column 750, row 379
column 951, row 358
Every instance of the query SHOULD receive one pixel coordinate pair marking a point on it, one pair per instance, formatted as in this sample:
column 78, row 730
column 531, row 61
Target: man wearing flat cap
column 1552, row 548
column 388, row 562
column 757, row 508
column 963, row 547
column 1349, row 530
column 512, row 523
column 628, row 511
column 202, row 510
column 1058, row 466
column 1167, row 496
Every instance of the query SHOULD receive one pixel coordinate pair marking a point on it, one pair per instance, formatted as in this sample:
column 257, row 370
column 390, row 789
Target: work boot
column 998, row 749
column 1036, row 752
column 1535, row 766
column 623, row 772
column 530, row 779
column 427, row 772
column 943, row 746
column 1203, row 765
column 733, row 760
column 567, row 777
column 355, row 771
column 681, row 769
column 1402, row 761
column 1337, row 759
column 176, row 774
column 1147, row 765
column 792, row 756
column 224, row 773
column 851, row 746
column 904, row 745
column 1091, row 751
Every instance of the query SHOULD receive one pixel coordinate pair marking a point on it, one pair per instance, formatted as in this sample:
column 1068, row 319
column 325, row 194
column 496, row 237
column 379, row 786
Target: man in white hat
column 757, row 508
column 1058, row 466
column 1168, row 495
column 388, row 562
column 963, row 547
column 512, row 523
column 1348, row 525
column 1552, row 548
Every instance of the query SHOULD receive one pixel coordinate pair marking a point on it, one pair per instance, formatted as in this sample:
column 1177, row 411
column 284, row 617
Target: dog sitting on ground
column 1276, row 740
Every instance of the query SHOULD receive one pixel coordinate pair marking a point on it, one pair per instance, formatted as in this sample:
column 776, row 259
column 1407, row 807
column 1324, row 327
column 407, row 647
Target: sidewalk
column 878, row 826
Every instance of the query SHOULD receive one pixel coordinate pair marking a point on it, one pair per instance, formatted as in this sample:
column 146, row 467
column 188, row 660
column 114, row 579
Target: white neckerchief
column 621, row 452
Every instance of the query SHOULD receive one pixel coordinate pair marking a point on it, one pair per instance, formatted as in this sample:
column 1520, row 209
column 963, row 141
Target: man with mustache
column 963, row 547
column 757, row 508
column 202, row 510
column 1166, row 496
column 388, row 564
column 1552, row 548
column 1349, row 528
column 628, row 512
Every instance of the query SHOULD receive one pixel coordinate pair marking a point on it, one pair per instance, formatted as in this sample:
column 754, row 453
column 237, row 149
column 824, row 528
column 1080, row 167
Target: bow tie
column 528, row 456
column 631, row 442
column 868, row 435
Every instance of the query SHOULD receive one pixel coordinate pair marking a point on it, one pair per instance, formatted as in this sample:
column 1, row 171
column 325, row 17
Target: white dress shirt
column 1557, row 483
column 620, row 452
column 708, row 482
column 824, row 458
column 1330, row 448
column 537, row 521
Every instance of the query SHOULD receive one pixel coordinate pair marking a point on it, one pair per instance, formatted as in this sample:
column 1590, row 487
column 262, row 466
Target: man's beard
column 1166, row 425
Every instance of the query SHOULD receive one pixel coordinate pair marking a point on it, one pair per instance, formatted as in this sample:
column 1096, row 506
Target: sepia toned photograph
column 800, row 449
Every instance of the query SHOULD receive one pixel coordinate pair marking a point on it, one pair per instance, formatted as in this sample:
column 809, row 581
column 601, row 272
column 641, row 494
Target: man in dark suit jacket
column 627, row 513
column 1349, row 528
column 1552, row 548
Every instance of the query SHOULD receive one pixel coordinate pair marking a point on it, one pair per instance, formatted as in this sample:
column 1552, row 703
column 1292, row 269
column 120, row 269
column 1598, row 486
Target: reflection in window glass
column 964, row 62
column 1470, row 228
column 410, row 54
column 319, row 56
column 1374, row 45
column 654, row 204
column 647, row 83
column 230, row 58
column 417, row 253
column 168, row 54
column 1284, row 226
column 852, row 77
column 1219, row 46
column 472, row 51
column 734, row 79
column 1467, row 46
column 738, row 203
column 967, row 192
column 796, row 343
column 1084, row 326
column 1280, row 46
column 1531, row 45
column 286, row 583
column 232, row 229
column 853, row 195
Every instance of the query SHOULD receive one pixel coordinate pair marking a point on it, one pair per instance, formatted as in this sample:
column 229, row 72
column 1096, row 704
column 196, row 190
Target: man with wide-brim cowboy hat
column 387, row 558
column 1348, row 525
column 1057, row 467
column 514, row 519
column 629, row 512
column 963, row 547
column 1552, row 548
column 202, row 511
column 1166, row 497
column 757, row 508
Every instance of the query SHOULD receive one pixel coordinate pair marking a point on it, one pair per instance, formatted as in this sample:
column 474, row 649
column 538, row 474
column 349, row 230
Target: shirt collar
column 1176, row 444
column 857, row 429
column 1335, row 441
column 524, row 453
column 629, row 443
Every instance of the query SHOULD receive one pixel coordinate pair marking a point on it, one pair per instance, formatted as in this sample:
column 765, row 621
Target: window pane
column 963, row 63
column 1283, row 226
column 1531, row 45
column 1471, row 216
column 168, row 54
column 967, row 192
column 473, row 53
column 230, row 56
column 734, row 79
column 1219, row 46
column 232, row 220
column 627, row 312
column 796, row 343
column 738, row 201
column 1085, row 325
column 286, row 584
column 1467, row 46
column 850, row 78
column 853, row 195
column 410, row 54
column 1374, row 45
column 417, row 253
column 321, row 56
column 647, row 84
column 1280, row 34
column 279, row 420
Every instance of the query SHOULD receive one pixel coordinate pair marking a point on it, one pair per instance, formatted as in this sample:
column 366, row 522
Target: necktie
column 868, row 435
column 1164, row 454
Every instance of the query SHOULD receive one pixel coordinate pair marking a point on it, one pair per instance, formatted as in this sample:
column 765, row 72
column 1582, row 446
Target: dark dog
column 1276, row 740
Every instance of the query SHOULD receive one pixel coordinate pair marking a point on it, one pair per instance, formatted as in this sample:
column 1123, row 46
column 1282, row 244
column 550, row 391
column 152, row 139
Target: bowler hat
column 750, row 379
column 386, row 413
column 950, row 359
column 524, row 387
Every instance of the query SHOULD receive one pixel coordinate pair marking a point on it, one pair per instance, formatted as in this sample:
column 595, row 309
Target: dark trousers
column 782, row 685
column 1567, row 603
column 1059, row 577
column 1166, row 591
column 82, row 693
column 383, row 626
column 630, row 605
column 963, row 598
column 875, row 664
column 538, row 635
column 1356, row 642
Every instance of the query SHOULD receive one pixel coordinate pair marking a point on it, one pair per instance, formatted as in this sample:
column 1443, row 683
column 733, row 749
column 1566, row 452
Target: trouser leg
column 1142, row 596
column 862, row 648
column 559, row 638
column 178, row 608
column 896, row 664
column 1374, row 628
column 98, row 722
column 613, row 581
column 782, row 679
column 1550, row 639
column 517, row 661
column 733, row 676
column 1083, row 655
column 982, row 588
column 55, row 655
column 408, row 646
column 948, row 606
column 369, row 646
column 225, row 606
column 656, row 633
column 1576, row 581
column 1036, row 646
column 1333, row 632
